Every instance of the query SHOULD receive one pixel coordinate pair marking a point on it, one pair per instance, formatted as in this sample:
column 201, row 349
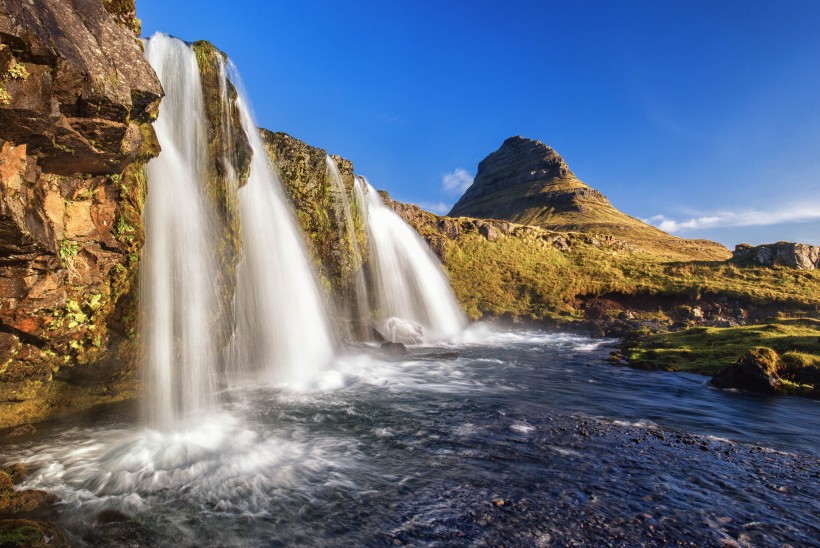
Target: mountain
column 527, row 182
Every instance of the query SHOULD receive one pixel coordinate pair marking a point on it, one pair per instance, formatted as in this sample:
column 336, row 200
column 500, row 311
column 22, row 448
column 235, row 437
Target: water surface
column 525, row 438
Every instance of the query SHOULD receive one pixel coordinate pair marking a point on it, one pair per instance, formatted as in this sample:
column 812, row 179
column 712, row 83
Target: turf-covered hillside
column 500, row 268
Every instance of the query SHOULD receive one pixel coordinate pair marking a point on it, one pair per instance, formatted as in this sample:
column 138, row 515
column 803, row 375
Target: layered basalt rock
column 523, row 174
column 527, row 182
column 75, row 135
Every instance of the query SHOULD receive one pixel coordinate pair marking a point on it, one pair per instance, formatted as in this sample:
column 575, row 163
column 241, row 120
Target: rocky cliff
column 228, row 170
column 76, row 104
column 527, row 182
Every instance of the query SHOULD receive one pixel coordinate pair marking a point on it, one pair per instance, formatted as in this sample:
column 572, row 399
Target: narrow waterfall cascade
column 409, row 287
column 357, row 303
column 177, row 289
column 282, row 327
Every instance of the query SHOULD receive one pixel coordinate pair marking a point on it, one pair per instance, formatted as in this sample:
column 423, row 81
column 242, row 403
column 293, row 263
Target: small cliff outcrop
column 527, row 182
column 788, row 254
column 76, row 104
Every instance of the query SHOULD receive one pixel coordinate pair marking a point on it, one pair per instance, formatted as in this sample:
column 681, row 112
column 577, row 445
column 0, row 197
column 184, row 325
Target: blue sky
column 703, row 117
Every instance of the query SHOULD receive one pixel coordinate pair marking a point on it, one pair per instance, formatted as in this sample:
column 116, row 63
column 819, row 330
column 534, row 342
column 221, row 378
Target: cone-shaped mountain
column 527, row 182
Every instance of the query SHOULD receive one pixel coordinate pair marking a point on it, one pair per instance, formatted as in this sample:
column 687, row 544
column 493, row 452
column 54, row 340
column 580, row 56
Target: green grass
column 524, row 275
column 707, row 350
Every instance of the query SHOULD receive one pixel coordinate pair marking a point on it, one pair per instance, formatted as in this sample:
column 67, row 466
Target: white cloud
column 439, row 208
column 457, row 182
column 749, row 217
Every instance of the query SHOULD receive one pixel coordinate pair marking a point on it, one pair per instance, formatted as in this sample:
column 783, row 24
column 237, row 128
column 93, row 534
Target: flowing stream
column 525, row 438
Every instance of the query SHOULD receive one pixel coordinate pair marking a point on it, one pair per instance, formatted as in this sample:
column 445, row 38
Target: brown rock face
column 75, row 135
column 527, row 182
column 83, row 89
column 228, row 169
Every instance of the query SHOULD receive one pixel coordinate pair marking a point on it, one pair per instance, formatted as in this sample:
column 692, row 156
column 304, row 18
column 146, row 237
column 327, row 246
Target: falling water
column 347, row 232
column 282, row 328
column 409, row 285
column 177, row 291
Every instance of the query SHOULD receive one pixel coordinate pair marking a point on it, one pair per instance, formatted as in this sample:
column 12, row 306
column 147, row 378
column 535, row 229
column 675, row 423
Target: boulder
column 17, row 472
column 488, row 231
column 24, row 533
column 755, row 371
column 398, row 330
column 18, row 502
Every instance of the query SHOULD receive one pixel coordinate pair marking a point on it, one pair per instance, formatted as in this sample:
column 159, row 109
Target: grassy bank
column 709, row 349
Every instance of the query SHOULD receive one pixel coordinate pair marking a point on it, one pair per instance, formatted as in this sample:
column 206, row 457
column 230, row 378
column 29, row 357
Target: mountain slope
column 527, row 182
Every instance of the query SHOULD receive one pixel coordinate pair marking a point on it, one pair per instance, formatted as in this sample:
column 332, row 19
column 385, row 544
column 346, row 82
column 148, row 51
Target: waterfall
column 358, row 309
column 178, row 295
column 410, row 290
column 278, row 330
column 282, row 329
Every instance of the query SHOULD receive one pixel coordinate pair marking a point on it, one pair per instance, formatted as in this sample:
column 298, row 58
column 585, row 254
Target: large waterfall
column 281, row 333
column 276, row 329
column 409, row 287
column 177, row 278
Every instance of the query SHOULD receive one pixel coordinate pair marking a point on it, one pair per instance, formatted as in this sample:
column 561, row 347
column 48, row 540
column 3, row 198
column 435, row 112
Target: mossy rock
column 16, row 472
column 17, row 502
column 29, row 534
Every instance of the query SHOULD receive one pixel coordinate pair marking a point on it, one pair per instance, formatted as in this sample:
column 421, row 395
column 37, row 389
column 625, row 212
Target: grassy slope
column 708, row 349
column 524, row 274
